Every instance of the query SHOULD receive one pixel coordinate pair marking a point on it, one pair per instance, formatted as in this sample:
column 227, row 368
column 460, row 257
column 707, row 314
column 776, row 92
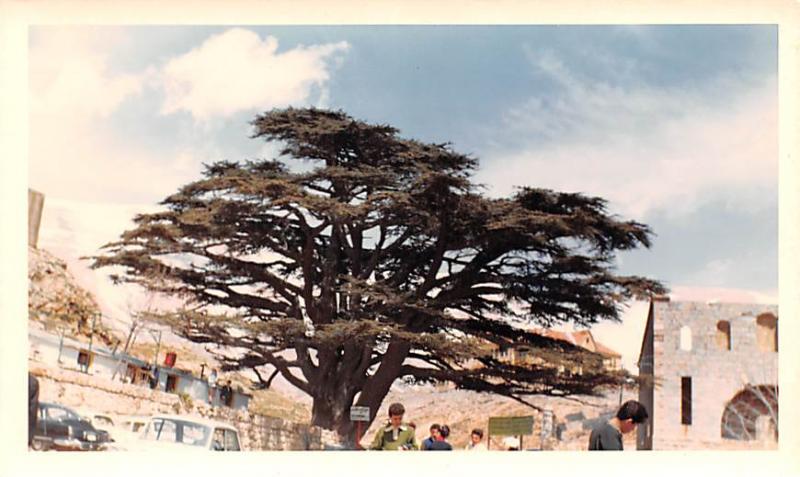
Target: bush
column 186, row 400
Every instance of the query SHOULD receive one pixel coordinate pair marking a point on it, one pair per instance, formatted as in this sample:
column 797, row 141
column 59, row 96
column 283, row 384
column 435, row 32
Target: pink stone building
column 709, row 376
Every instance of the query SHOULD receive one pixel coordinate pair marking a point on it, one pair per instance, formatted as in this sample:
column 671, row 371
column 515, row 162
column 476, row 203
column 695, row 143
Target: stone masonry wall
column 717, row 375
column 257, row 432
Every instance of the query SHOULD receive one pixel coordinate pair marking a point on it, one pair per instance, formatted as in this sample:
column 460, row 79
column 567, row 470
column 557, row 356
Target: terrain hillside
column 57, row 301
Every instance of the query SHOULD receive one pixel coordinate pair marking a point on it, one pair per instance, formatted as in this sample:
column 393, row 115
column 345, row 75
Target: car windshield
column 103, row 420
column 177, row 431
column 60, row 413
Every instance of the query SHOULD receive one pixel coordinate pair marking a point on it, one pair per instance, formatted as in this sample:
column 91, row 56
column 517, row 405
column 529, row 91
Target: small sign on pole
column 359, row 414
column 547, row 426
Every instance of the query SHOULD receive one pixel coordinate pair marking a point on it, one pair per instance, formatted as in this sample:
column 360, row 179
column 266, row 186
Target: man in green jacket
column 396, row 435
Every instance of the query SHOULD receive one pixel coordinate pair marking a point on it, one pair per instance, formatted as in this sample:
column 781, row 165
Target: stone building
column 709, row 376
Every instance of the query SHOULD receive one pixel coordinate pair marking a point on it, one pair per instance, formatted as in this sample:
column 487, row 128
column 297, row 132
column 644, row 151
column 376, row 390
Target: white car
column 187, row 433
column 126, row 432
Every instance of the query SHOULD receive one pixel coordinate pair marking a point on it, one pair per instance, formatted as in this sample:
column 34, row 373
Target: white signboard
column 359, row 413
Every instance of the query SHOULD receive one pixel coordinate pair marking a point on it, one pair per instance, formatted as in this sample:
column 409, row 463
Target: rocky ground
column 57, row 301
column 463, row 411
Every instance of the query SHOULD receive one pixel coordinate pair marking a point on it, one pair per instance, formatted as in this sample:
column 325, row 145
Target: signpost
column 547, row 426
column 510, row 426
column 360, row 415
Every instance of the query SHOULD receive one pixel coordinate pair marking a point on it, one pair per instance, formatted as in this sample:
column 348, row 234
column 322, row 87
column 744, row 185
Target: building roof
column 606, row 351
column 577, row 338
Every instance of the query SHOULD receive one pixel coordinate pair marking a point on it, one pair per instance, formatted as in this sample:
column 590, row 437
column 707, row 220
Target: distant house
column 520, row 354
column 107, row 364
column 709, row 375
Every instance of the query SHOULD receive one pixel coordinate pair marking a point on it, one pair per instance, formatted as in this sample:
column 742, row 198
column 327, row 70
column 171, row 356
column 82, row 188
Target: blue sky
column 675, row 125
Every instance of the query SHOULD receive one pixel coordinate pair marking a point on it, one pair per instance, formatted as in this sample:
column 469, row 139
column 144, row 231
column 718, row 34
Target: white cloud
column 74, row 150
column 644, row 148
column 78, row 101
column 236, row 71
column 723, row 295
column 69, row 76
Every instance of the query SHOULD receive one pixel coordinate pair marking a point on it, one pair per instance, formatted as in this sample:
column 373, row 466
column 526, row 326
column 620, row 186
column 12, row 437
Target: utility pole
column 128, row 343
column 91, row 332
column 158, row 345
column 62, row 330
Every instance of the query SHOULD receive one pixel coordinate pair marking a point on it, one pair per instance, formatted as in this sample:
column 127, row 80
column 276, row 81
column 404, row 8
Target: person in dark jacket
column 434, row 430
column 609, row 435
column 226, row 394
column 33, row 406
column 441, row 442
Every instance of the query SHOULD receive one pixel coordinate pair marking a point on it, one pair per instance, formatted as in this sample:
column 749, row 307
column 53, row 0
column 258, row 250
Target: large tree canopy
column 382, row 260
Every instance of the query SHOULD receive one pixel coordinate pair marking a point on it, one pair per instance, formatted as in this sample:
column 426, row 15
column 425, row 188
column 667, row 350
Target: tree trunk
column 334, row 395
column 378, row 385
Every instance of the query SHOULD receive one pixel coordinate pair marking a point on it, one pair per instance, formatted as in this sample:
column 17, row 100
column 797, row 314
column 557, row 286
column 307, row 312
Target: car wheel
column 37, row 445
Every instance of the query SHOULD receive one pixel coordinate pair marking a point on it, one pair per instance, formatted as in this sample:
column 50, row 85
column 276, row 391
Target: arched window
column 752, row 414
column 686, row 338
column 767, row 332
column 723, row 337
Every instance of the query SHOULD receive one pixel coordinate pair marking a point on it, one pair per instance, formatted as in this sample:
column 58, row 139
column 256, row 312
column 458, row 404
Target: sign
column 547, row 423
column 170, row 358
column 359, row 413
column 511, row 426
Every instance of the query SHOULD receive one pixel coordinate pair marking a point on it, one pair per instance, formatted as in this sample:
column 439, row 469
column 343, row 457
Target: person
column 226, row 393
column 609, row 435
column 395, row 435
column 33, row 406
column 434, row 430
column 475, row 438
column 153, row 377
column 212, row 382
column 441, row 442
column 511, row 443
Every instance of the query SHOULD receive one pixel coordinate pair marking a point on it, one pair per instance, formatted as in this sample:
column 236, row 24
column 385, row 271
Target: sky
column 676, row 126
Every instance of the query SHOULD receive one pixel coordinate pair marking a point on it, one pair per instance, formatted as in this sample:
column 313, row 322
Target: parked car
column 125, row 433
column 134, row 424
column 61, row 428
column 187, row 433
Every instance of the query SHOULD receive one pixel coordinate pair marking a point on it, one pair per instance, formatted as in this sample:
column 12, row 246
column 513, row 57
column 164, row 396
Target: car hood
column 147, row 445
column 80, row 425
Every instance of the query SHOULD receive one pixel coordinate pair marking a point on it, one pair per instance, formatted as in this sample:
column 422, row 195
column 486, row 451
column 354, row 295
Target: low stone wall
column 256, row 432
column 79, row 390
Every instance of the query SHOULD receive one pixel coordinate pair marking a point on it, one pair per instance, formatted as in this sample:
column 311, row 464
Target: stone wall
column 257, row 432
column 717, row 375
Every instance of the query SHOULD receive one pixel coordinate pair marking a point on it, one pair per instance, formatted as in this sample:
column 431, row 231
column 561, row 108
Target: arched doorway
column 752, row 414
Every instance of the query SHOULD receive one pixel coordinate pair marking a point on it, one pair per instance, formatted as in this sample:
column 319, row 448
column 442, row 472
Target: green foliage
column 186, row 401
column 381, row 261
